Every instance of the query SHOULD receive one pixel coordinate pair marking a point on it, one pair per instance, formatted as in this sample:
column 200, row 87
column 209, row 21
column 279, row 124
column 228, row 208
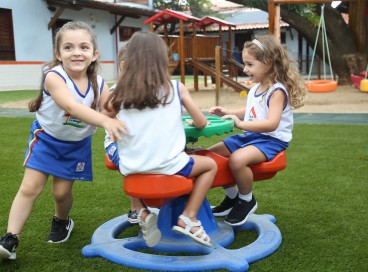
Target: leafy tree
column 197, row 8
column 305, row 17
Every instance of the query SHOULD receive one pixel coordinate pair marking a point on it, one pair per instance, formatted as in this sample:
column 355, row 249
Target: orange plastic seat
column 269, row 169
column 321, row 86
column 261, row 171
column 109, row 164
column 356, row 80
column 157, row 190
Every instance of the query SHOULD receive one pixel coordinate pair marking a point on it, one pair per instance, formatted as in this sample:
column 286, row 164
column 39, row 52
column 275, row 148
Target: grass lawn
column 13, row 96
column 319, row 202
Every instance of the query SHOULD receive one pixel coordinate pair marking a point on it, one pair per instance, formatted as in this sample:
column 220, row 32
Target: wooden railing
column 205, row 46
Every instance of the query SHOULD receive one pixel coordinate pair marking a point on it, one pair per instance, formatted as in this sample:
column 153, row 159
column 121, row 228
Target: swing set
column 356, row 17
column 322, row 85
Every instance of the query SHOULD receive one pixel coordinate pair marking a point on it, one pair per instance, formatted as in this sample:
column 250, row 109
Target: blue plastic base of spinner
column 126, row 251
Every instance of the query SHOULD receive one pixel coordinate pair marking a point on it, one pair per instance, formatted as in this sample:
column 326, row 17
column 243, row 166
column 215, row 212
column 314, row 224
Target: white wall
column 33, row 40
column 31, row 37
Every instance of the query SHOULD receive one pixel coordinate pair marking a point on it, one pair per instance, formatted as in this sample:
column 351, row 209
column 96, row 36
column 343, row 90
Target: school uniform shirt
column 156, row 138
column 57, row 122
column 257, row 109
column 60, row 144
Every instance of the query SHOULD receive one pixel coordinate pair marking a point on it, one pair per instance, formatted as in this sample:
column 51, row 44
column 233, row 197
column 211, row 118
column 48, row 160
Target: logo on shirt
column 80, row 166
column 71, row 121
column 112, row 150
column 252, row 114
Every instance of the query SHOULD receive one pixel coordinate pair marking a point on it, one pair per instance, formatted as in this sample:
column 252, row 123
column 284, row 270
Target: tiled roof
column 215, row 28
column 236, row 14
column 168, row 15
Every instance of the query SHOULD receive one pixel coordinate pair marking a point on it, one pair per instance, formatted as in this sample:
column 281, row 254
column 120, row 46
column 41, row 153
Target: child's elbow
column 273, row 126
column 201, row 125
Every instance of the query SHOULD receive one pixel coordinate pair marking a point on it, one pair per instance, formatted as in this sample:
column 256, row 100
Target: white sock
column 247, row 197
column 232, row 192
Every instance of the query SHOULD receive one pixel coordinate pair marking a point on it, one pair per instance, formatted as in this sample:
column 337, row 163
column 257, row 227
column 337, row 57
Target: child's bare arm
column 59, row 91
column 103, row 98
column 199, row 119
column 220, row 111
column 276, row 105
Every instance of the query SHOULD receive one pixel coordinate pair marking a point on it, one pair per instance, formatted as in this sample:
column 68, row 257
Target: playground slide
column 208, row 70
column 235, row 63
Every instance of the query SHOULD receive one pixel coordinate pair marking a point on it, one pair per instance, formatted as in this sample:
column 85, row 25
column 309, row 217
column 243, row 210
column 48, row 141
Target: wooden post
column 355, row 16
column 181, row 57
column 166, row 33
column 271, row 16
column 205, row 75
column 221, row 51
column 195, row 56
column 218, row 73
column 274, row 19
column 57, row 14
column 277, row 30
column 230, row 52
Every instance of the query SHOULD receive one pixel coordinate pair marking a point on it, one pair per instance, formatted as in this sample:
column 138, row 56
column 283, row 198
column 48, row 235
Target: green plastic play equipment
column 217, row 126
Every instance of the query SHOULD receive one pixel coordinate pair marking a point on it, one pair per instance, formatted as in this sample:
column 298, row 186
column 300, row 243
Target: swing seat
column 356, row 80
column 157, row 190
column 364, row 85
column 321, row 86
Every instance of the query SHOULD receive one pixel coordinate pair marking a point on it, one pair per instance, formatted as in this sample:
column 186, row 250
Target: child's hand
column 115, row 128
column 219, row 111
column 237, row 121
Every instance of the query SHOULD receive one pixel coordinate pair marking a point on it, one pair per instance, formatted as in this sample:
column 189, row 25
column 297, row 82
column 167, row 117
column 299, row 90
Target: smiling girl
column 60, row 139
column 266, row 121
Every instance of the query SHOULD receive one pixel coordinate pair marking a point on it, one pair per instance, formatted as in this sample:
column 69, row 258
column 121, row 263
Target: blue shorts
column 268, row 145
column 113, row 154
column 187, row 169
column 63, row 159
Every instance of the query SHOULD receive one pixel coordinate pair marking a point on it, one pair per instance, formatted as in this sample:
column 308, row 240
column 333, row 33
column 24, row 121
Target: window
column 283, row 37
column 125, row 32
column 7, row 48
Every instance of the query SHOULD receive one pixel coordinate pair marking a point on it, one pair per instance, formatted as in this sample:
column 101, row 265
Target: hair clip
column 258, row 43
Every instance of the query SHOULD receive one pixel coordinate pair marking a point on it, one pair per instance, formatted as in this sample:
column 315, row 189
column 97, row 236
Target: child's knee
column 30, row 190
column 60, row 195
column 236, row 163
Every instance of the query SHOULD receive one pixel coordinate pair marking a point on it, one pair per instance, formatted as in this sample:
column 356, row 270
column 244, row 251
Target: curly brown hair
column 280, row 67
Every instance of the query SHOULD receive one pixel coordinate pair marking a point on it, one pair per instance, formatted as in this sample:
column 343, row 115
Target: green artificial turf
column 13, row 96
column 319, row 202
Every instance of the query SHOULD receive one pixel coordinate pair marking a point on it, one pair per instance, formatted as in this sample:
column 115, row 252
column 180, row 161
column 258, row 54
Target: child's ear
column 57, row 55
column 95, row 55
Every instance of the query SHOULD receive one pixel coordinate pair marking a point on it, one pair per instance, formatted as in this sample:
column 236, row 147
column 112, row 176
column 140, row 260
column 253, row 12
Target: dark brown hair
column 92, row 70
column 144, row 80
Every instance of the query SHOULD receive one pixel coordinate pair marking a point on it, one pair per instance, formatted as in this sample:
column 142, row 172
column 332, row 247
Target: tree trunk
column 341, row 41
